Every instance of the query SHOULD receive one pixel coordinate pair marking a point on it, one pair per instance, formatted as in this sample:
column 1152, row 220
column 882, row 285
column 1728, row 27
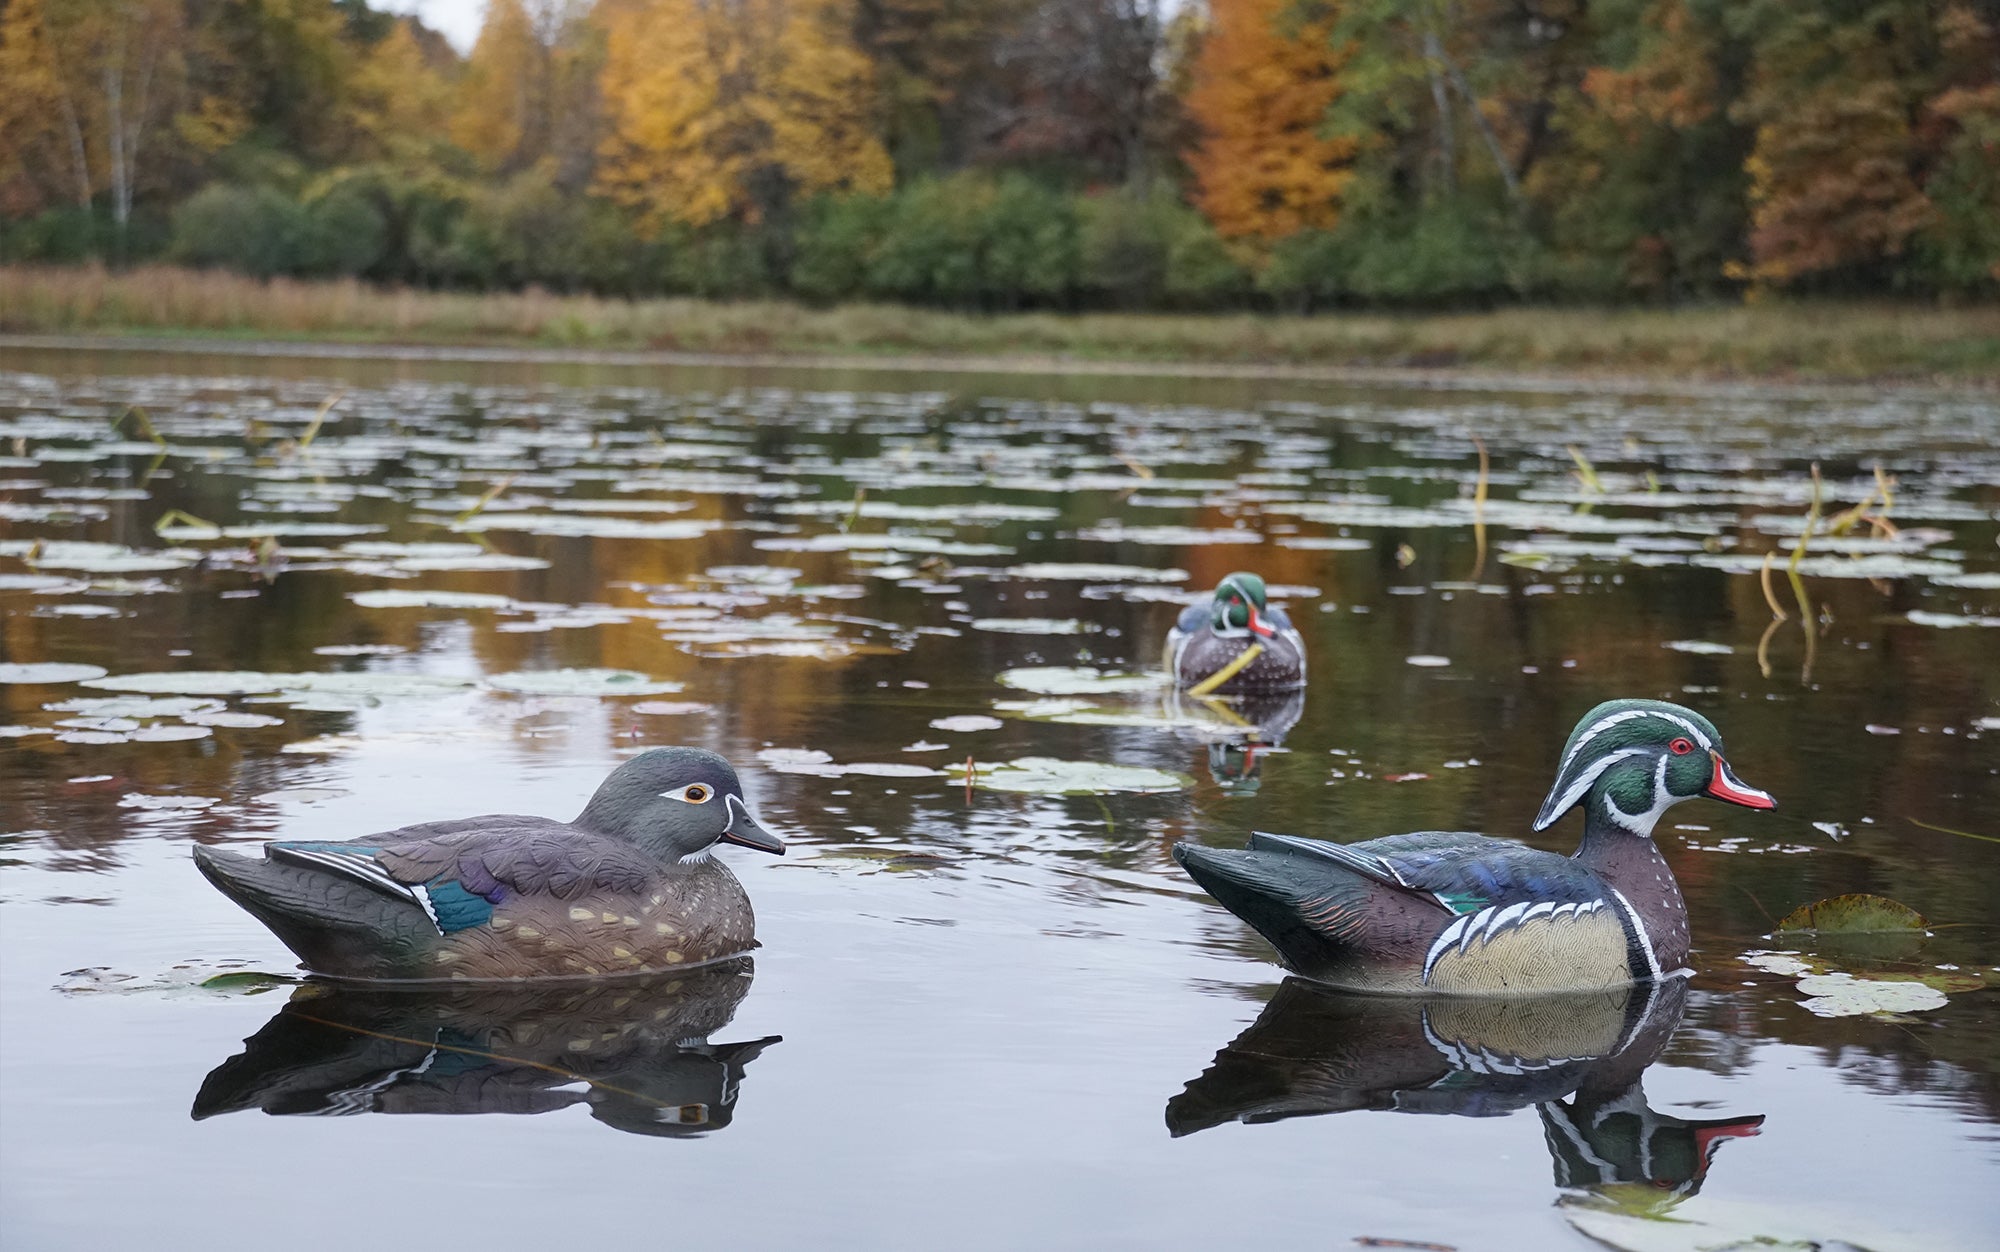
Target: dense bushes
column 978, row 241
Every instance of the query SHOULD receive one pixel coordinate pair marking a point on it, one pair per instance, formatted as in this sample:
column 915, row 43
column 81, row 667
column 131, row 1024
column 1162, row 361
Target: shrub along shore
column 1809, row 340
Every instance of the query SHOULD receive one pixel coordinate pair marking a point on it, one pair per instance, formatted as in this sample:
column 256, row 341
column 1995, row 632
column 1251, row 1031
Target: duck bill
column 1727, row 786
column 1258, row 626
column 744, row 829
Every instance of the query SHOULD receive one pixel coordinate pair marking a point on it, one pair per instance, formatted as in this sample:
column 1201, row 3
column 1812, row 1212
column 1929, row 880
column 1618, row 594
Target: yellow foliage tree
column 496, row 98
column 1263, row 82
column 725, row 108
column 400, row 104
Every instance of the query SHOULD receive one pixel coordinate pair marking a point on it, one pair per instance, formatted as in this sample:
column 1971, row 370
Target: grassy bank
column 1818, row 340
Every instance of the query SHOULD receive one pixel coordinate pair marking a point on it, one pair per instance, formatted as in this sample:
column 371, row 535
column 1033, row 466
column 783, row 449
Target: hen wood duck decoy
column 1450, row 912
column 628, row 887
column 1212, row 639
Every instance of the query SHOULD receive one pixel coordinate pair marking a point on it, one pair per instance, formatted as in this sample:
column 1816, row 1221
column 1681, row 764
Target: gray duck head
column 1632, row 760
column 1239, row 600
column 676, row 803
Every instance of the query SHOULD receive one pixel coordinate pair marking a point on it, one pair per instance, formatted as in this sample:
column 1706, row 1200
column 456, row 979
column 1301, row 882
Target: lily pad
column 1053, row 571
column 1033, row 625
column 46, row 672
column 963, row 723
column 583, row 682
column 1855, row 914
column 1045, row 775
column 1065, row 680
column 1844, row 995
column 390, row 598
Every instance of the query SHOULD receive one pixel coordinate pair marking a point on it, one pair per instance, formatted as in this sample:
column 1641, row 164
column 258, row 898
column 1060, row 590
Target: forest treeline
column 1003, row 154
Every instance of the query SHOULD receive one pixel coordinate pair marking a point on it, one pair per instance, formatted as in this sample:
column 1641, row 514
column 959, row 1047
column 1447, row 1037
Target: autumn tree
column 1266, row 76
column 399, row 102
column 731, row 108
column 530, row 87
column 93, row 87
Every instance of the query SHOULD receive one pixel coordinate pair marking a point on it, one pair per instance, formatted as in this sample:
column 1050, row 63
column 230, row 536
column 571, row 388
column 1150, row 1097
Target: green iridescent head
column 1238, row 599
column 1636, row 759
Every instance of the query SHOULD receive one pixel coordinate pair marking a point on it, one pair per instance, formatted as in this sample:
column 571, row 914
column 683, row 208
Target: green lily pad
column 1857, row 914
column 1045, row 775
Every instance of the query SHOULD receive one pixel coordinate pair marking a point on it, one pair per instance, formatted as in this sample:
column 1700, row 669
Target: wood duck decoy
column 1238, row 621
column 629, row 887
column 1457, row 913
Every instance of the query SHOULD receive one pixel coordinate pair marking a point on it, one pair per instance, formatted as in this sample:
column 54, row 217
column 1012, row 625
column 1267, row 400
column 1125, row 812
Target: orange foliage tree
column 1262, row 84
column 729, row 108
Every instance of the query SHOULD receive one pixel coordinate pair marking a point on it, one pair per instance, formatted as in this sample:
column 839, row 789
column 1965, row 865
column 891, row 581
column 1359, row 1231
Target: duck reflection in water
column 635, row 1053
column 1247, row 729
column 1577, row 1058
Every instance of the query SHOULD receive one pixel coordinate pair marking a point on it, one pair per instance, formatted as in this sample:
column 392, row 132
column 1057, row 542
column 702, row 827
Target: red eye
column 1680, row 747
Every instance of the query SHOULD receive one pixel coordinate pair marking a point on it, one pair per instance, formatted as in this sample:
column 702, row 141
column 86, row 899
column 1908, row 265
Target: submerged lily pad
column 1854, row 914
column 1065, row 680
column 46, row 672
column 1046, row 775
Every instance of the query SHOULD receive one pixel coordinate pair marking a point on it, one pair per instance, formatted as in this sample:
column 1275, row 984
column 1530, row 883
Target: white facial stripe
column 1584, row 783
column 1642, row 823
column 1603, row 724
column 736, row 809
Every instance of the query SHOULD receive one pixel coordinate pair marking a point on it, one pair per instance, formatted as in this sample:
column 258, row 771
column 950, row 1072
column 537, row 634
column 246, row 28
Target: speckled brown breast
column 1279, row 668
column 689, row 915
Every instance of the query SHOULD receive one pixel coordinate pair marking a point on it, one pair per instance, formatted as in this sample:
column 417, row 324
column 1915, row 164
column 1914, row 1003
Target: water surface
column 979, row 1018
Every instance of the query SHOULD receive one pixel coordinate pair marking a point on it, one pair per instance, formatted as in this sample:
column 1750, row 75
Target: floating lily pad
column 1699, row 647
column 964, row 723
column 1844, row 995
column 1033, row 625
column 251, row 682
column 1948, row 621
column 390, row 598
column 1044, row 775
column 669, row 708
column 1052, row 571
column 583, row 682
column 46, row 672
column 1063, row 680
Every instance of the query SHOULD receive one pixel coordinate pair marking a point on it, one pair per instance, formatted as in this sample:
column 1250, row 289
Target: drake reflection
column 1577, row 1058
column 635, row 1053
column 1247, row 728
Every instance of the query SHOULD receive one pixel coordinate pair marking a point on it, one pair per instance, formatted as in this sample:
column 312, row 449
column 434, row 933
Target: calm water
column 979, row 1018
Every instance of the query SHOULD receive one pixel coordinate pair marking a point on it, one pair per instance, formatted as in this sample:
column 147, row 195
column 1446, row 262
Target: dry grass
column 1819, row 340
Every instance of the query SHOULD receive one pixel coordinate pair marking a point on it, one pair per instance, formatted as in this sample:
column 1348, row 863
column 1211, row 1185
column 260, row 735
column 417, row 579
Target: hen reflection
column 1248, row 728
column 1579, row 1059
column 636, row 1053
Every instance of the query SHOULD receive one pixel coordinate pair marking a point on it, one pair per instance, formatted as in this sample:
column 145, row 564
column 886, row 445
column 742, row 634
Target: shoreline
column 1428, row 377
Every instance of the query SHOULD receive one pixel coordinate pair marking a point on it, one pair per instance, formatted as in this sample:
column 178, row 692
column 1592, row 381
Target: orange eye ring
column 1680, row 747
column 695, row 793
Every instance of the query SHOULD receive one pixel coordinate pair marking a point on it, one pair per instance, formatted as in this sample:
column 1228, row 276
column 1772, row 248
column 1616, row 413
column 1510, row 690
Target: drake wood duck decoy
column 628, row 887
column 1210, row 639
column 1457, row 913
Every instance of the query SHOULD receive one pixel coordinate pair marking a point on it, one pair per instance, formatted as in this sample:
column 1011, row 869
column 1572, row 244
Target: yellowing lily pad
column 1856, row 914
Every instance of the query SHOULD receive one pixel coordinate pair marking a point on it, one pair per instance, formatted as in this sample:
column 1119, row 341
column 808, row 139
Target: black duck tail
column 334, row 924
column 1287, row 901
